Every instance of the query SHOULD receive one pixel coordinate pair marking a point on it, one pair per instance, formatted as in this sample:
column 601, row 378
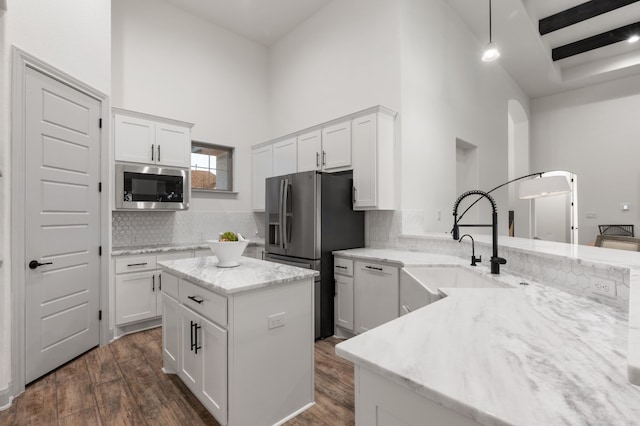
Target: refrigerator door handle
column 281, row 215
column 286, row 233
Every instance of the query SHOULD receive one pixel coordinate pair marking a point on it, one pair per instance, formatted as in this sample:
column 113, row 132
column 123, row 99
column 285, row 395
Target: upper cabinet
column 362, row 142
column 373, row 145
column 327, row 149
column 142, row 138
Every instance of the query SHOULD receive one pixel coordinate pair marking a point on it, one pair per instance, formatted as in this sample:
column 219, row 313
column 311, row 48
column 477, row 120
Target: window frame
column 231, row 150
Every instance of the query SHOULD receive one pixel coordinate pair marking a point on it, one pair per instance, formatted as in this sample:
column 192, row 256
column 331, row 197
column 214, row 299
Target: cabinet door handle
column 353, row 195
column 158, row 152
column 153, row 281
column 197, row 346
column 324, row 158
column 374, row 268
column 159, row 282
column 317, row 159
column 196, row 299
column 137, row 264
column 192, row 344
column 153, row 150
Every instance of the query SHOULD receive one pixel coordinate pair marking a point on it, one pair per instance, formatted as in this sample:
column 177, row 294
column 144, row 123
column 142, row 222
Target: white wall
column 594, row 133
column 73, row 36
column 448, row 93
column 170, row 63
column 343, row 59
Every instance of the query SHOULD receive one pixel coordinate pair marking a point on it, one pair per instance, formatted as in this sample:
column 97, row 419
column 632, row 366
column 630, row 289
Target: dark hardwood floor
column 123, row 384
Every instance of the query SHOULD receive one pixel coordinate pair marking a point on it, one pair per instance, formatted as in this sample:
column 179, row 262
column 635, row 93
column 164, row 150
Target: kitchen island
column 525, row 355
column 240, row 338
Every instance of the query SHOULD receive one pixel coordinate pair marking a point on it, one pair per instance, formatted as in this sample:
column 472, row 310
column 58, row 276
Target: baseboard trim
column 6, row 397
column 136, row 327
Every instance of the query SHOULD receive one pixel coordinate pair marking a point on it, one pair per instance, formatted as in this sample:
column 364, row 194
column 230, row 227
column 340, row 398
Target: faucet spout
column 474, row 259
column 496, row 261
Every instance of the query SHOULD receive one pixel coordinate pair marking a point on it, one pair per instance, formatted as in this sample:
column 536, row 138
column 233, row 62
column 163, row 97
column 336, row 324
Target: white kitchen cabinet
column 336, row 147
column 138, row 283
column 262, row 166
column 373, row 153
column 309, row 151
column 344, row 302
column 203, row 365
column 147, row 139
column 285, row 157
column 376, row 294
column 220, row 337
column 170, row 333
column 327, row 149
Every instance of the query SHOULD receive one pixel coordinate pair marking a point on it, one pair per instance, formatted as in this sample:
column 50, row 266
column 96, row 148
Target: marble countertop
column 167, row 248
column 529, row 355
column 249, row 275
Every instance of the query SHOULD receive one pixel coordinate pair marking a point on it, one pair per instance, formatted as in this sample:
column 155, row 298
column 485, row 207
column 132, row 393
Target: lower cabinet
column 203, row 364
column 170, row 333
column 366, row 295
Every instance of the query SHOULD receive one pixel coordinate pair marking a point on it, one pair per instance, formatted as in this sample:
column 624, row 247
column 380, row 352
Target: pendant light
column 491, row 53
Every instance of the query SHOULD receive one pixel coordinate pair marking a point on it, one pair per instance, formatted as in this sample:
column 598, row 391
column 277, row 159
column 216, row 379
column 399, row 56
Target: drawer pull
column 196, row 299
column 374, row 268
column 341, row 267
column 137, row 264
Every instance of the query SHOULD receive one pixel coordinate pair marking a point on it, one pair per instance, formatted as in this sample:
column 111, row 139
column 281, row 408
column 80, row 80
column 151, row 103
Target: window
column 211, row 167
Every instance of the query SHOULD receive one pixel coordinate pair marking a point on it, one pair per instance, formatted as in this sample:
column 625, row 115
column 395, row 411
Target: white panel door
column 135, row 297
column 170, row 332
column 189, row 369
column 309, row 147
column 344, row 301
column 285, row 160
column 134, row 139
column 262, row 161
column 62, row 173
column 336, row 146
column 173, row 145
column 363, row 137
column 376, row 295
column 213, row 359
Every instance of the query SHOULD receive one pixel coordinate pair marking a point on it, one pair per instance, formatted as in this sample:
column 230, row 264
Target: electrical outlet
column 591, row 215
column 275, row 321
column 603, row 288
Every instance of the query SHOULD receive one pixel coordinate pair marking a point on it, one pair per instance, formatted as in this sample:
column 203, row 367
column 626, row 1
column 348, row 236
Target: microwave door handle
column 287, row 234
column 280, row 214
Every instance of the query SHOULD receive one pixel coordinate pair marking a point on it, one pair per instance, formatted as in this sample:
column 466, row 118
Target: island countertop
column 251, row 274
column 529, row 355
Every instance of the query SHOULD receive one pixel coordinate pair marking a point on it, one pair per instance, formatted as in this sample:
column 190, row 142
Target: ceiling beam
column 596, row 41
column 579, row 13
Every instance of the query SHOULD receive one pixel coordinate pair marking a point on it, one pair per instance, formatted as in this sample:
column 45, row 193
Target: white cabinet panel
column 134, row 138
column 309, row 147
column 336, row 146
column 262, row 160
column 189, row 370
column 375, row 295
column 173, row 145
column 344, row 302
column 213, row 362
column 170, row 332
column 135, row 297
column 285, row 157
column 364, row 161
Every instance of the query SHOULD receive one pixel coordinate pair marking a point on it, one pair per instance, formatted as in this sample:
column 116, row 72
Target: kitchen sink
column 420, row 285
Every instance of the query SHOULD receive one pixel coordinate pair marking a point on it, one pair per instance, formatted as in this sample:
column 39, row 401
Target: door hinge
column 100, row 123
column 99, row 186
column 100, row 251
column 100, row 315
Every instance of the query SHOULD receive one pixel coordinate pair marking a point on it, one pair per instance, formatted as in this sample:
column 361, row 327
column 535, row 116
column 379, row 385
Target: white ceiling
column 526, row 56
column 264, row 21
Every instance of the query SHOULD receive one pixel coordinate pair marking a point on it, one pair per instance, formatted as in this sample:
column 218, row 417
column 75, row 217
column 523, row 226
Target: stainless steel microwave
column 141, row 187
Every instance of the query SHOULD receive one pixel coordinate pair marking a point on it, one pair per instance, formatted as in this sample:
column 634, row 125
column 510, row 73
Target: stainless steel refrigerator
column 307, row 216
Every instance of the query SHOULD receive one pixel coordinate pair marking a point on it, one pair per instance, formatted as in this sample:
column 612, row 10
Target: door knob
column 34, row 264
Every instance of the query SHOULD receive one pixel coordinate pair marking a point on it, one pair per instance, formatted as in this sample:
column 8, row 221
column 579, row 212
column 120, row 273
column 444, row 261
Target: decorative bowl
column 228, row 252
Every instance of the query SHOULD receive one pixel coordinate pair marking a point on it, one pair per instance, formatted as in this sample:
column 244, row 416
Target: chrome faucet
column 495, row 260
column 474, row 259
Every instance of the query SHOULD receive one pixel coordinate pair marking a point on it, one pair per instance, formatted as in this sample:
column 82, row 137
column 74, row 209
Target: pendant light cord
column 490, row 39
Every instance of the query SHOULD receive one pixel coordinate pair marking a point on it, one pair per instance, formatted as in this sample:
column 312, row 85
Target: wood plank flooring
column 123, row 384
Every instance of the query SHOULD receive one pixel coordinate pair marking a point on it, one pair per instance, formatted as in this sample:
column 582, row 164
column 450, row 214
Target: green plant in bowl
column 228, row 236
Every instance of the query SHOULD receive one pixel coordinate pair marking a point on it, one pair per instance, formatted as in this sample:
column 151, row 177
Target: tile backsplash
column 132, row 228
